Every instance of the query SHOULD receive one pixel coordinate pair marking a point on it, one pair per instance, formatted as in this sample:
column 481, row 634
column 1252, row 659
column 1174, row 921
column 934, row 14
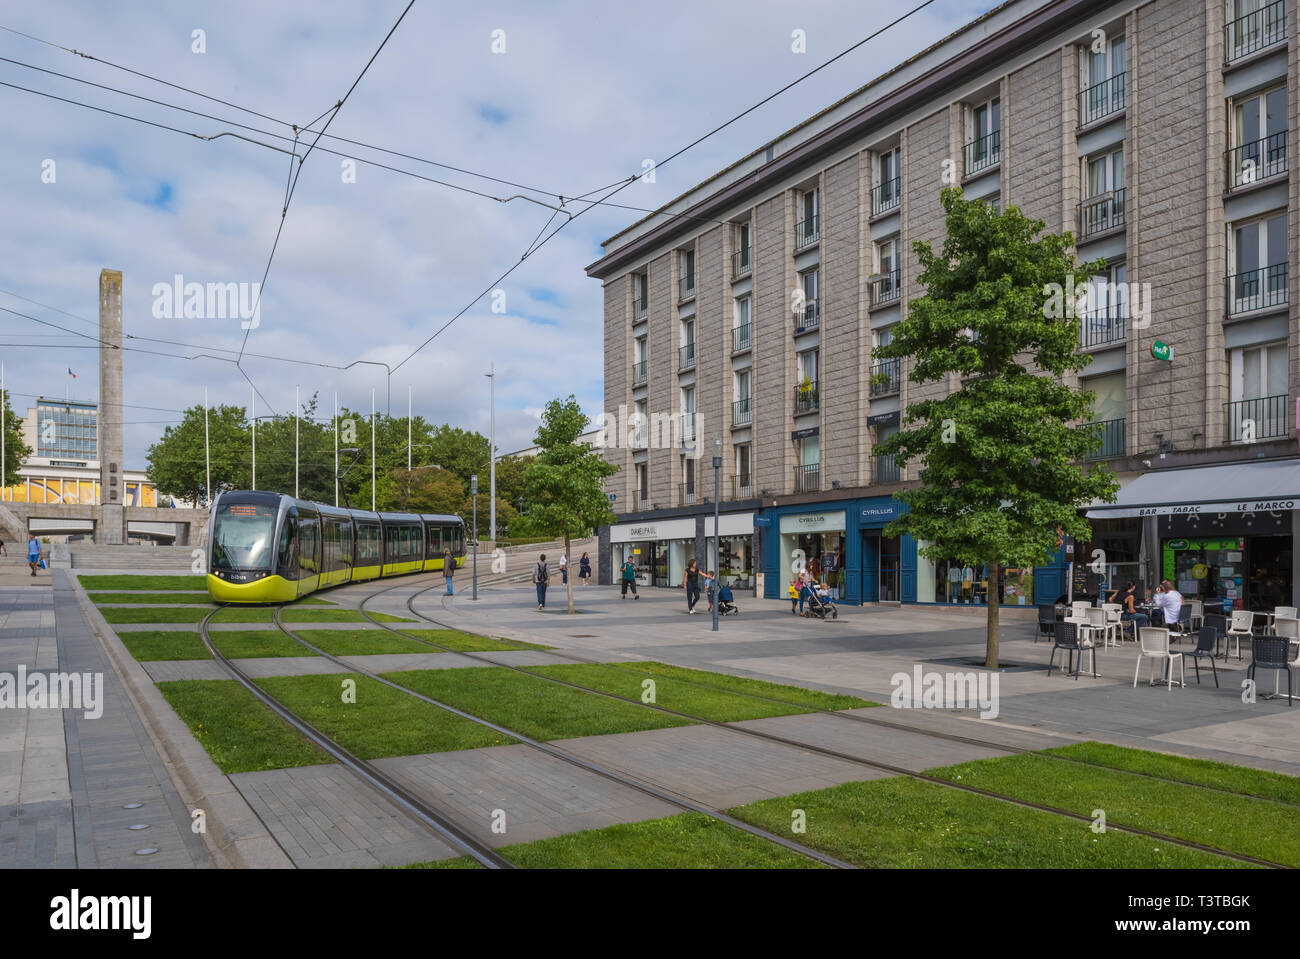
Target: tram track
column 433, row 820
column 821, row 750
column 644, row 786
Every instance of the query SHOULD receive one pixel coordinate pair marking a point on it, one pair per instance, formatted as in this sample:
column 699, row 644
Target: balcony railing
column 1110, row 439
column 742, row 486
column 1101, row 213
column 686, row 356
column 1267, row 417
column 807, row 479
column 983, row 153
column 886, row 469
column 642, row 495
column 1257, row 160
column 1255, row 31
column 887, row 196
column 640, row 306
column 639, row 373
column 742, row 263
column 687, row 285
column 805, row 398
column 688, row 493
column 1103, row 327
column 1257, row 289
column 742, row 412
column 885, row 377
column 807, row 232
column 806, row 319
column 688, row 428
column 742, row 337
column 1101, row 99
column 887, row 288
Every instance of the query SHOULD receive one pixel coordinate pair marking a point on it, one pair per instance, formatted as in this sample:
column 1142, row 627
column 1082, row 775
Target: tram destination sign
column 1205, row 509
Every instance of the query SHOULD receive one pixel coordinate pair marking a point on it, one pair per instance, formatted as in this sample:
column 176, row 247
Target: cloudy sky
column 367, row 270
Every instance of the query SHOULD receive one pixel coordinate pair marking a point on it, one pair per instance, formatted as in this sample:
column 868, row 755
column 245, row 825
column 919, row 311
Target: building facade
column 747, row 310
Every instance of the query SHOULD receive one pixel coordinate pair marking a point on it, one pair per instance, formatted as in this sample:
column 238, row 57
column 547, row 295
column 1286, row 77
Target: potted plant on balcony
column 880, row 379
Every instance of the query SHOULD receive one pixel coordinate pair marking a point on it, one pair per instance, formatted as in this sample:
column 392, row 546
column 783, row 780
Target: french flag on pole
column 72, row 374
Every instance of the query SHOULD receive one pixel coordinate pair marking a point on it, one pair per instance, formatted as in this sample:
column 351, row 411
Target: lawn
column 1241, row 824
column 382, row 722
column 176, row 597
column 131, row 581
column 256, row 644
column 1199, row 772
column 905, row 823
column 361, row 642
column 152, row 646
column 165, row 614
column 235, row 614
column 531, row 705
column 239, row 733
column 294, row 615
column 468, row 642
column 687, row 841
column 708, row 695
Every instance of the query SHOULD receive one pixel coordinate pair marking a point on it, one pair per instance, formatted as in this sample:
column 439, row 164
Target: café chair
column 1046, row 621
column 1272, row 652
column 1198, row 613
column 1206, row 639
column 1242, row 621
column 1154, row 642
column 1067, row 638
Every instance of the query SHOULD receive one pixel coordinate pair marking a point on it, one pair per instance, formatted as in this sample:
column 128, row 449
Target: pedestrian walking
column 33, row 553
column 710, row 587
column 691, row 583
column 541, row 578
column 4, row 550
column 584, row 569
column 629, row 580
column 564, row 568
column 793, row 593
column 448, row 567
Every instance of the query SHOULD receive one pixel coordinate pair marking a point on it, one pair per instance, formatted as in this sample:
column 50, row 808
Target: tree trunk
column 568, row 586
column 991, row 650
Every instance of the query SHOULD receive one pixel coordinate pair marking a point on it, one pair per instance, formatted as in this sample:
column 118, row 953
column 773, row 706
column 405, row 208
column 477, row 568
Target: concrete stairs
column 174, row 559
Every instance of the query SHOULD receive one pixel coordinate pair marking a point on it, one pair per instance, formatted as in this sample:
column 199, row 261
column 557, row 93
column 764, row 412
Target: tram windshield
column 243, row 536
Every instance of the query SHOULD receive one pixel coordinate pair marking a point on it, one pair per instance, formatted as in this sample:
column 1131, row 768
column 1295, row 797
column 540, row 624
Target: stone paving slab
column 37, row 835
column 323, row 816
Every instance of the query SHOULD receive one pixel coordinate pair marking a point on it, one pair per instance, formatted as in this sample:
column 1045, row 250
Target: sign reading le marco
column 1194, row 509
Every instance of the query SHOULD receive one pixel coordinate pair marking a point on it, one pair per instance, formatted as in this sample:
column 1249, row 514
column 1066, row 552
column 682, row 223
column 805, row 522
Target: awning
column 1264, row 486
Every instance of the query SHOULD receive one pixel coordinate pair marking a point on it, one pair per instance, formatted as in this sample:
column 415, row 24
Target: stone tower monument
column 111, row 528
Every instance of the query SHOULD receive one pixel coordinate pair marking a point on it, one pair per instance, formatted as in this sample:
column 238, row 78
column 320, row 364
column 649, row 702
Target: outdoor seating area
column 1271, row 636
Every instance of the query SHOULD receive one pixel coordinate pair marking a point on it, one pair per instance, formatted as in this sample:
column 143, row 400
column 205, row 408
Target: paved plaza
column 66, row 779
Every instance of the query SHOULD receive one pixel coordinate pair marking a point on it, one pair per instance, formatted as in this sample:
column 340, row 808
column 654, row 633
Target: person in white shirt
column 564, row 568
column 1169, row 601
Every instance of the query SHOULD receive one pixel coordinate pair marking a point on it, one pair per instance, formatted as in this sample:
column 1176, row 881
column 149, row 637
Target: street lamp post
column 717, row 544
column 473, row 490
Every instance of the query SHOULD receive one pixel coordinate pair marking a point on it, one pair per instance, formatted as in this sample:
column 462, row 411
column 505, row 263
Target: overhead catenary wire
column 660, row 164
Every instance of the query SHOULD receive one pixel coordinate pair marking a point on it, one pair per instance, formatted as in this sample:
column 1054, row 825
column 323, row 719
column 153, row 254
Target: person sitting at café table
column 1169, row 601
column 1128, row 610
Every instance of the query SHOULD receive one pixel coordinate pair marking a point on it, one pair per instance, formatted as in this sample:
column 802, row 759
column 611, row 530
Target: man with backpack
column 33, row 553
column 541, row 578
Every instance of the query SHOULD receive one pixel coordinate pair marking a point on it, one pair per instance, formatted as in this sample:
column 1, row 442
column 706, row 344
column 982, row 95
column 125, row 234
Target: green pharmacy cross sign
column 1162, row 350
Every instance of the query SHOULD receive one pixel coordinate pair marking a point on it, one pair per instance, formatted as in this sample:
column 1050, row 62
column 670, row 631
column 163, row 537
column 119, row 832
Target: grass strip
column 175, row 598
column 256, row 644
column 294, row 615
column 154, row 646
column 132, row 581
column 1241, row 824
column 361, row 642
column 468, row 642
column 1197, row 772
column 532, row 705
column 900, row 823
column 235, row 614
column 382, row 721
column 687, row 841
column 162, row 614
column 239, row 733
column 691, row 690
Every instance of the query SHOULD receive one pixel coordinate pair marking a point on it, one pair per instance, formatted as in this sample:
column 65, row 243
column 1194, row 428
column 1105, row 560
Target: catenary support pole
column 207, row 453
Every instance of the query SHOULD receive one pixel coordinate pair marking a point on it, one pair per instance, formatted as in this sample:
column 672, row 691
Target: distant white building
column 592, row 437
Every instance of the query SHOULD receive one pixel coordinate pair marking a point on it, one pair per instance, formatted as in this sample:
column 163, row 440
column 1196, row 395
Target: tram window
column 345, row 544
column 435, row 540
column 367, row 545
column 284, row 556
column 309, row 549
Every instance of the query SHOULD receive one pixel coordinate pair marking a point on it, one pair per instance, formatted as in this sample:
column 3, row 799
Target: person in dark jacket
column 541, row 579
column 584, row 569
column 448, row 567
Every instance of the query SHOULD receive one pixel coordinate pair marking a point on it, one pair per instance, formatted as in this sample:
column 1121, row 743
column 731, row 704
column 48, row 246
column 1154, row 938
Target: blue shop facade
column 843, row 543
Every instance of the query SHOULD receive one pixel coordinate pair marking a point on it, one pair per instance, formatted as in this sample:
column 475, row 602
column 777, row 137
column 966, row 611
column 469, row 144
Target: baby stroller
column 820, row 606
column 726, row 604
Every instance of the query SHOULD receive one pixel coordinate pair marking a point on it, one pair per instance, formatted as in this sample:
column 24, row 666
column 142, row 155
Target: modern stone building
column 747, row 310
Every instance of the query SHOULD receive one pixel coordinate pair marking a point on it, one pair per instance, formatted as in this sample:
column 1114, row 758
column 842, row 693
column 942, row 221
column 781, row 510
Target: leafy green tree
column 565, row 488
column 315, row 454
column 177, row 465
column 1000, row 455
column 427, row 490
column 16, row 451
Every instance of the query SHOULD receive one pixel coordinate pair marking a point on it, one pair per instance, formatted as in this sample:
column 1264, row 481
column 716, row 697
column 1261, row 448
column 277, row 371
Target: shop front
column 814, row 542
column 659, row 551
column 1229, row 553
column 735, row 558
